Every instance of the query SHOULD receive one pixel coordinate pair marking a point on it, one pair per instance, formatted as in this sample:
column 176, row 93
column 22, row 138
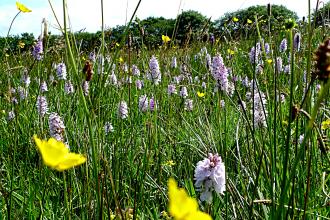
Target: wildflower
column 200, row 94
column 120, row 60
column 122, row 110
column 43, row 87
column 171, row 89
column 208, row 61
column 56, row 155
column 143, row 103
column 269, row 61
column 22, row 8
column 38, row 50
column 113, row 79
column 61, row 71
column 139, row 84
column 184, row 69
column 279, row 64
column 283, row 45
column 188, row 105
column 26, row 80
column 23, row 92
column 287, row 69
column 260, row 111
column 254, row 54
column 42, row 105
column 173, row 63
column 169, row 163
column 249, row 21
column 135, row 70
column 246, row 82
column 164, row 214
column 56, row 126
column 220, row 72
column 181, row 206
column 184, row 92
column 125, row 68
column 68, row 87
column 222, row 103
column 11, row 115
column 165, row 39
column 260, row 68
column 325, row 124
column 21, row 44
column 14, row 100
column 267, row 48
column 297, row 41
column 92, row 57
column 152, row 104
column 210, row 176
column 154, row 70
column 212, row 39
column 231, row 52
column 204, row 85
column 178, row 79
column 85, row 87
column 108, row 127
column 235, row 19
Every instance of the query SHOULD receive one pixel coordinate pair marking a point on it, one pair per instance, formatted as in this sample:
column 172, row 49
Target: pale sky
column 87, row 13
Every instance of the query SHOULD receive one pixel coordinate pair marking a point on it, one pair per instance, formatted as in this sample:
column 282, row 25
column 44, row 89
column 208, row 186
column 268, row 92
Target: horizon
column 86, row 15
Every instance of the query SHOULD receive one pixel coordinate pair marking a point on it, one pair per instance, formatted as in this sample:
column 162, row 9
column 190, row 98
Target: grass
column 270, row 173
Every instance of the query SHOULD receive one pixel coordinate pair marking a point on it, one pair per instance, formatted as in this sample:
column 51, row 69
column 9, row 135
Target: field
column 242, row 125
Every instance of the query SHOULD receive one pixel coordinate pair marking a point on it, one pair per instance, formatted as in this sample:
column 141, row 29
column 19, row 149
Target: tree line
column 188, row 27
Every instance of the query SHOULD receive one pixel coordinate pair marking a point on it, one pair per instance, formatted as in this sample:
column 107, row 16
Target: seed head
column 322, row 58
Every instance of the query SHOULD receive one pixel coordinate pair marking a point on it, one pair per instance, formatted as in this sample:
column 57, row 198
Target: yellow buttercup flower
column 120, row 60
column 325, row 124
column 269, row 61
column 169, row 163
column 181, row 206
column 166, row 39
column 22, row 7
column 117, row 44
column 56, row 155
column 249, row 21
column 231, row 52
column 235, row 19
column 200, row 94
column 21, row 44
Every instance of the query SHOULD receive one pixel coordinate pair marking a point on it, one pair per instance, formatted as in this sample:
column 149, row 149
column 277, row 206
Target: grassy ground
column 279, row 170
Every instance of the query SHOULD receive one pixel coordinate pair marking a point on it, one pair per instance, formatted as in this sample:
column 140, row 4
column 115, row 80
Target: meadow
column 241, row 125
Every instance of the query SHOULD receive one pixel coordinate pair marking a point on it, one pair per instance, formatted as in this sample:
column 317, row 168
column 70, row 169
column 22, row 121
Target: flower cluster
column 56, row 126
column 155, row 73
column 61, row 71
column 42, row 105
column 38, row 50
column 122, row 110
column 220, row 72
column 210, row 176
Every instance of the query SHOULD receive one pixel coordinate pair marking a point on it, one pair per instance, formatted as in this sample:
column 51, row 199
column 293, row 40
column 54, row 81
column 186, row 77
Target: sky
column 86, row 14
